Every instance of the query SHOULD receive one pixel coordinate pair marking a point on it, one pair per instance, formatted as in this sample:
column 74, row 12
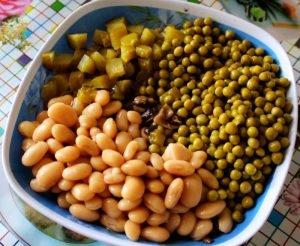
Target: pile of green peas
column 232, row 104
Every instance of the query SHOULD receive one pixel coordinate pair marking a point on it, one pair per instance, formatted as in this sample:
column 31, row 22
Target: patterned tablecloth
column 25, row 35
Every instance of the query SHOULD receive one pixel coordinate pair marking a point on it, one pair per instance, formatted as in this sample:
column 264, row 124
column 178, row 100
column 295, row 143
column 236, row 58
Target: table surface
column 42, row 17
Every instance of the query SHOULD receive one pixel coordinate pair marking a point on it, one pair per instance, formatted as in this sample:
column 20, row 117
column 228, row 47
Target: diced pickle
column 77, row 40
column 99, row 60
column 130, row 39
column 145, row 64
column 102, row 38
column 116, row 29
column 147, row 37
column 102, row 82
column 156, row 52
column 125, row 85
column 77, row 55
column 144, row 51
column 138, row 29
column 87, row 65
column 76, row 79
column 172, row 33
column 86, row 94
column 62, row 61
column 62, row 83
column 48, row 59
column 109, row 53
column 129, row 69
column 115, row 68
column 127, row 53
column 49, row 91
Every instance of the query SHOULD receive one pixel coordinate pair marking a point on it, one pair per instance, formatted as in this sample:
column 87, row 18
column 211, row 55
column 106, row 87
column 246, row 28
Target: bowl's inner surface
column 32, row 104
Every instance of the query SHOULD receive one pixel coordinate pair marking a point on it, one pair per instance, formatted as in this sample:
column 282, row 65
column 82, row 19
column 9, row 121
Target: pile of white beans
column 95, row 158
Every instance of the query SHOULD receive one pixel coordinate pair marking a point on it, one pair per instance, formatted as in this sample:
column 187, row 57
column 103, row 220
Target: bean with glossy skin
column 208, row 178
column 62, row 202
column 87, row 145
column 49, row 174
column 177, row 151
column 27, row 143
column 63, row 134
column 111, row 108
column 165, row 177
column 139, row 214
column 198, row 159
column 42, row 116
column 105, row 142
column 134, row 130
column 93, row 110
column 98, row 164
column 130, row 150
column 67, row 154
column 225, row 222
column 157, row 161
column 34, row 154
column 110, row 207
column 192, row 191
column 128, row 205
column 96, row 182
column 132, row 230
column 158, row 219
column 65, row 184
column 179, row 209
column 54, row 145
column 179, row 167
column 115, row 224
column 173, row 222
column 77, row 106
column 122, row 120
column 82, row 192
column 187, row 224
column 102, row 97
column 142, row 143
column 45, row 160
column 93, row 204
column 134, row 117
column 66, row 99
column 35, row 186
column 174, row 193
column 113, row 175
column 77, row 172
column 81, row 212
column 63, row 114
column 116, row 189
column 112, row 158
column 87, row 121
column 122, row 140
column 154, row 202
column 134, row 168
column 70, row 198
column 26, row 128
column 133, row 188
column 155, row 234
column 143, row 156
column 155, row 186
column 43, row 131
column 110, row 128
column 210, row 209
column 202, row 229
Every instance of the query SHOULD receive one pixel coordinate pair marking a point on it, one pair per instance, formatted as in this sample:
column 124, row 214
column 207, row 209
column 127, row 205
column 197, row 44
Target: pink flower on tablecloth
column 292, row 8
column 291, row 197
column 12, row 8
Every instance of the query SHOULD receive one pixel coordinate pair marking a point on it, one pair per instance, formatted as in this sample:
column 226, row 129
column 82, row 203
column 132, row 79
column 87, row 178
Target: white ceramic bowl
column 86, row 19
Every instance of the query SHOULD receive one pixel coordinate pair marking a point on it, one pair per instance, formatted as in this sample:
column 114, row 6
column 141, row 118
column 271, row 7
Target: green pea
column 154, row 148
column 198, row 144
column 178, row 51
column 245, row 187
column 182, row 112
column 193, row 137
column 209, row 165
column 238, row 164
column 235, row 174
column 274, row 146
column 183, row 130
column 250, row 169
column 219, row 173
column 253, row 143
column 231, row 128
column 183, row 140
column 247, row 202
column 201, row 119
column 277, row 158
column 222, row 194
column 222, row 163
column 237, row 216
column 258, row 188
column 234, row 186
column 212, row 195
column 234, row 139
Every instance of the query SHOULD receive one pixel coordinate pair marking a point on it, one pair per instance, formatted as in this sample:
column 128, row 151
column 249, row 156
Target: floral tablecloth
column 22, row 35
